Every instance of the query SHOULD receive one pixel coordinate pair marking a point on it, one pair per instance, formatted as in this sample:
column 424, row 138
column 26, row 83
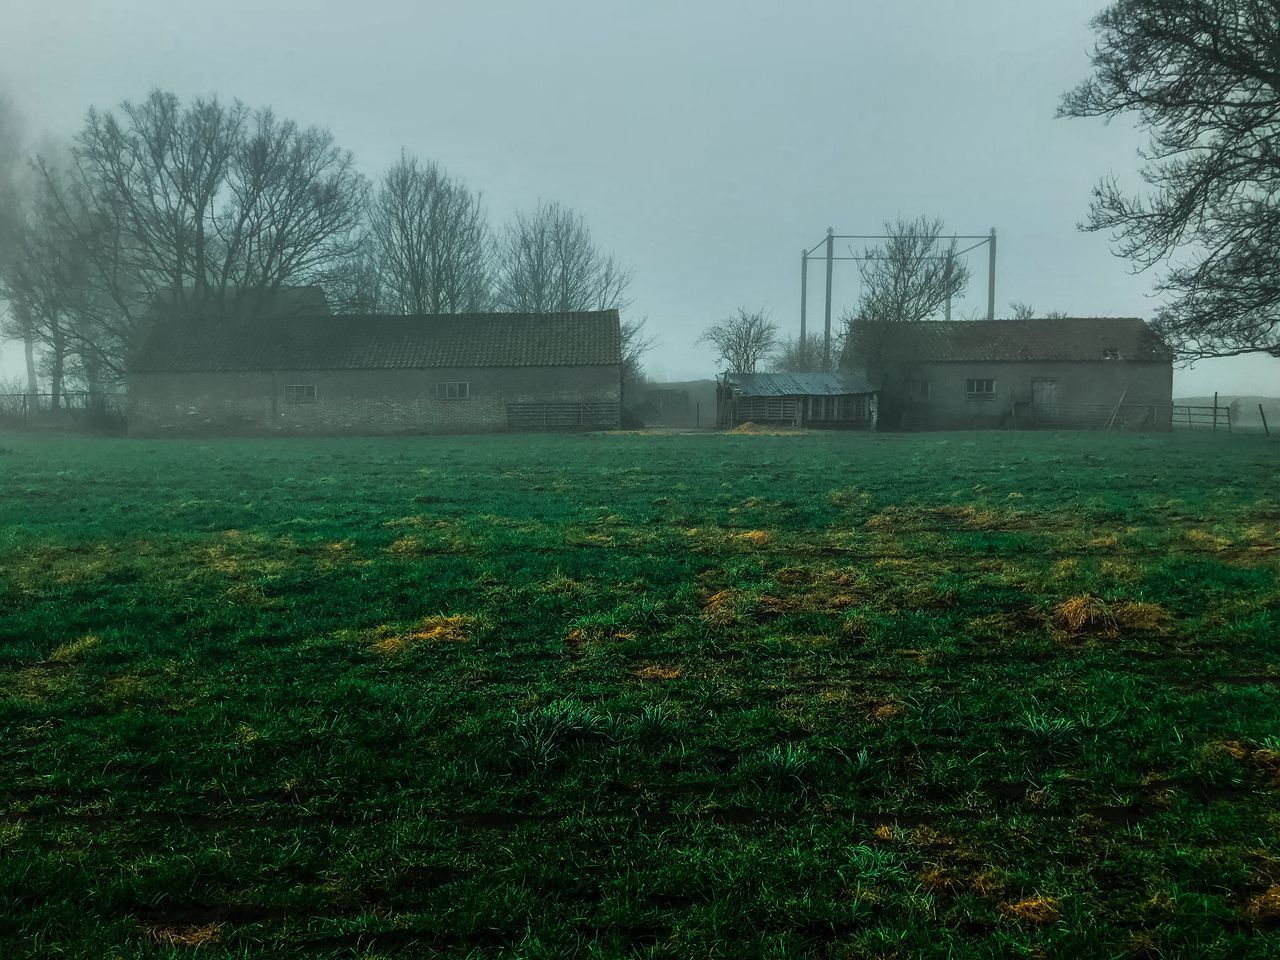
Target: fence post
column 1215, row 411
column 1263, row 414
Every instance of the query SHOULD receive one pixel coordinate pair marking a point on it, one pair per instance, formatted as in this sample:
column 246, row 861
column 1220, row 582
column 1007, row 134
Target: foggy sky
column 705, row 142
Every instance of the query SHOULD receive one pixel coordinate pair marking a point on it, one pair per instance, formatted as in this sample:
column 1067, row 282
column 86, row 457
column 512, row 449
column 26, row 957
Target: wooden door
column 1044, row 398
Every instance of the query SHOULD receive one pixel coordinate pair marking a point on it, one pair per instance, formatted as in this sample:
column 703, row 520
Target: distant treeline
column 215, row 203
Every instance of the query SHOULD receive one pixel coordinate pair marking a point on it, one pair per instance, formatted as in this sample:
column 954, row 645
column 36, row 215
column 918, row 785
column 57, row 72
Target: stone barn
column 970, row 374
column 325, row 374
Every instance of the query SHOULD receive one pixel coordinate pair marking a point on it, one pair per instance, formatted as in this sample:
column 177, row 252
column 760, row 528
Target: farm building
column 377, row 374
column 830, row 400
column 1066, row 372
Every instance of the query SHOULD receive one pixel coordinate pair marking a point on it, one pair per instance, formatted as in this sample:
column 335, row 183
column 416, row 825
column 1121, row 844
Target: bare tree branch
column 743, row 341
column 1203, row 78
column 548, row 263
column 433, row 241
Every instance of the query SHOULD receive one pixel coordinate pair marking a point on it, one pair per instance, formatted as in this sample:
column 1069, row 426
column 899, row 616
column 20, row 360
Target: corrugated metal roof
column 381, row 342
column 1064, row 338
column 798, row 384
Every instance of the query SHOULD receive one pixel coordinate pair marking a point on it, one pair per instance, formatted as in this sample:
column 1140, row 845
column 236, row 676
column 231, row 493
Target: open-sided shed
column 831, row 400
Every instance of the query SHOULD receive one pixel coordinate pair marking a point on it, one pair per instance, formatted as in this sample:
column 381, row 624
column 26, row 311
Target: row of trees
column 214, row 205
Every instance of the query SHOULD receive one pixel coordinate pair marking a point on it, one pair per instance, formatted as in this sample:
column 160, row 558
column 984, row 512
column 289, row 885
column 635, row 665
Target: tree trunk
column 58, row 342
column 29, row 350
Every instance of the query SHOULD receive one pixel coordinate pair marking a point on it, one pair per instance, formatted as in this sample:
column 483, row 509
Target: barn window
column 1110, row 353
column 980, row 389
column 918, row 389
column 453, row 391
column 300, row 393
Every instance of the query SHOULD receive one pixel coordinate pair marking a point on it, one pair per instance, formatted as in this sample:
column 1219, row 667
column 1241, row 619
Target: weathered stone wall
column 1092, row 382
column 353, row 401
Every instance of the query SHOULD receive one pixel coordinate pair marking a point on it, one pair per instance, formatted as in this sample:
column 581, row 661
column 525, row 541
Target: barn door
column 1044, row 398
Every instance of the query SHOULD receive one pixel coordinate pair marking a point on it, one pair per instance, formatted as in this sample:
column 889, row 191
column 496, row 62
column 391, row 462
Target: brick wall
column 353, row 401
column 1095, row 382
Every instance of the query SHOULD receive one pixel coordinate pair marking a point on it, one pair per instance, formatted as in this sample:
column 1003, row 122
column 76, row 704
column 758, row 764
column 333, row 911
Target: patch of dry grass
column 1086, row 613
column 1265, row 906
column 431, row 631
column 406, row 546
column 190, row 936
column 1036, row 910
column 657, row 671
column 72, row 650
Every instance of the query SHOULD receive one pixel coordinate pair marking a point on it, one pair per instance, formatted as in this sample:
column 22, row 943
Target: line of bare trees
column 208, row 208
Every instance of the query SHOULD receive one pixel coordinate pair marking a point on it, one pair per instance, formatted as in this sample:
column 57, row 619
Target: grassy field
column 951, row 695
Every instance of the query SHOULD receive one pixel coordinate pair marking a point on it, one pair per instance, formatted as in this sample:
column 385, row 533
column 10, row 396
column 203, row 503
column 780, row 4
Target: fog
column 704, row 144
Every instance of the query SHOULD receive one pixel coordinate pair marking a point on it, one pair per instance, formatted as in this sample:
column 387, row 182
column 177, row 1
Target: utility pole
column 991, row 277
column 826, row 334
column 804, row 298
column 946, row 281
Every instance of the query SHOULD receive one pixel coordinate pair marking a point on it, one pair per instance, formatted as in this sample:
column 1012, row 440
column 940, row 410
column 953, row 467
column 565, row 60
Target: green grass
column 957, row 695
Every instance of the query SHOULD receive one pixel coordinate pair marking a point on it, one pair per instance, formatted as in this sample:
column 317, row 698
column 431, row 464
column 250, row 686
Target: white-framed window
column 980, row 388
column 299, row 393
column 918, row 389
column 454, row 390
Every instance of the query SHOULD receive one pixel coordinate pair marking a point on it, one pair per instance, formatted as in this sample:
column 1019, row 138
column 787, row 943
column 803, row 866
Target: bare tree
column 909, row 278
column 1022, row 311
column 548, row 263
column 743, row 341
column 804, row 356
column 1025, row 311
column 354, row 284
column 45, row 284
column 16, row 320
column 912, row 274
column 432, row 239
column 1203, row 77
column 198, row 206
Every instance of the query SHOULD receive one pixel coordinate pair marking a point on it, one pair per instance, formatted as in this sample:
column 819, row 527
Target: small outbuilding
column 1054, row 372
column 840, row 401
column 363, row 374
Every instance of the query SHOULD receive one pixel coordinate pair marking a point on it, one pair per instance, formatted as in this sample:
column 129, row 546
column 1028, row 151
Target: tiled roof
column 798, row 384
column 1066, row 338
column 381, row 342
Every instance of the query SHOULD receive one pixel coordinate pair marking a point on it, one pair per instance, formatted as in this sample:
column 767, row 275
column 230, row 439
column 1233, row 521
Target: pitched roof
column 1066, row 338
column 381, row 342
column 245, row 302
column 798, row 384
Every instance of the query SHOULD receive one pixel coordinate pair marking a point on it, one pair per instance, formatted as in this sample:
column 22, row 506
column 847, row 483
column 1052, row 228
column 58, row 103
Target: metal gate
column 551, row 415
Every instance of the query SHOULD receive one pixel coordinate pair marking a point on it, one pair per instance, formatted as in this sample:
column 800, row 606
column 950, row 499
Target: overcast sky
column 705, row 142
